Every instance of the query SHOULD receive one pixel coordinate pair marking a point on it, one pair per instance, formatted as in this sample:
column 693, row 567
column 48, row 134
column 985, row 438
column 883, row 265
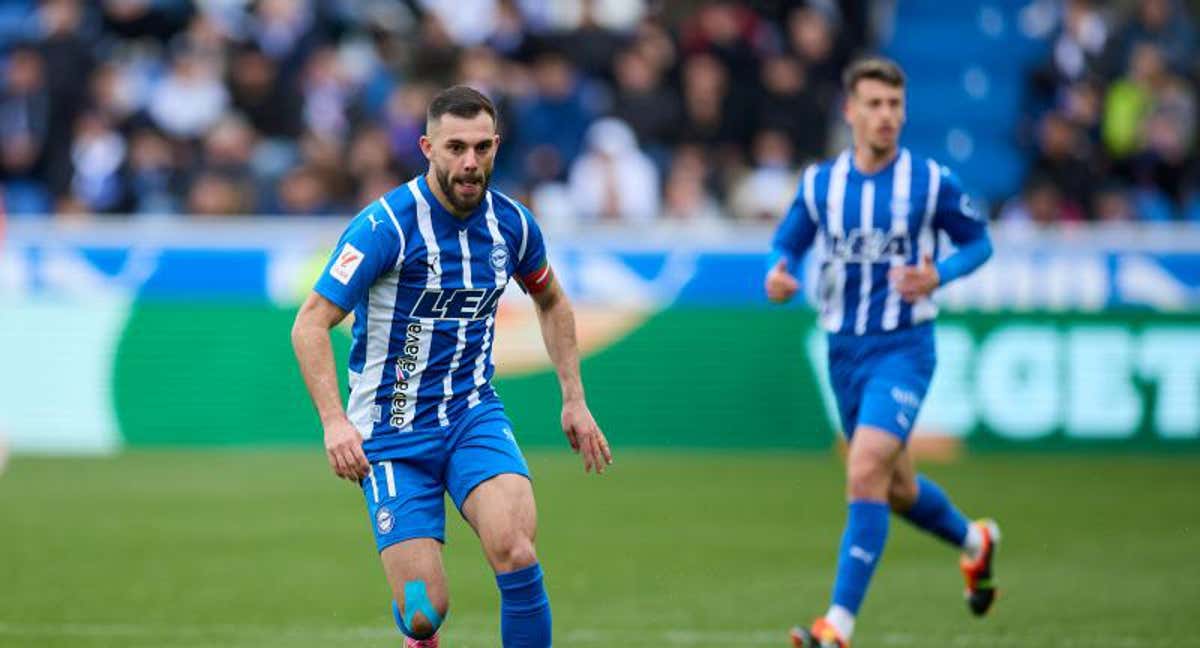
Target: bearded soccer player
column 423, row 268
column 875, row 213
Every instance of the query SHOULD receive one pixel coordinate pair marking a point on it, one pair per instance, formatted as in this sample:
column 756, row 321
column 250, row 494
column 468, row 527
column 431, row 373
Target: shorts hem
column 467, row 493
column 433, row 534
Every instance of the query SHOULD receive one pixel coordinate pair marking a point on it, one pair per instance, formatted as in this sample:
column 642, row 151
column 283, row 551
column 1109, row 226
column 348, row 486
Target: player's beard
column 447, row 184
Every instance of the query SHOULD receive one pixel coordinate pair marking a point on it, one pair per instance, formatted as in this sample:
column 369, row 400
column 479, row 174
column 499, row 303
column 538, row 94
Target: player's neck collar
column 891, row 161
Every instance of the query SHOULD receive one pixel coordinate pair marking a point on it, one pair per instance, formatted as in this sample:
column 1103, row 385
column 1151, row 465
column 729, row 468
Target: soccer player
column 875, row 213
column 422, row 268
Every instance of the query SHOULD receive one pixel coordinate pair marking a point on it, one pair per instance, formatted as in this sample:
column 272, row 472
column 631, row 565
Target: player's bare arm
column 310, row 339
column 781, row 284
column 557, row 320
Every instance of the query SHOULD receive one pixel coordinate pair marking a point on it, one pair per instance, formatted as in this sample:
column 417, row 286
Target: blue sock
column 934, row 513
column 524, row 609
column 862, row 547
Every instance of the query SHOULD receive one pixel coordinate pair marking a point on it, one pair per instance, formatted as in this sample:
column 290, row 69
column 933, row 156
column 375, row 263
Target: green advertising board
column 703, row 377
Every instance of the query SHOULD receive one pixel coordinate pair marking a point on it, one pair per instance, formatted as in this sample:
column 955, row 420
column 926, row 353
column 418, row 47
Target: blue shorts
column 880, row 380
column 405, row 491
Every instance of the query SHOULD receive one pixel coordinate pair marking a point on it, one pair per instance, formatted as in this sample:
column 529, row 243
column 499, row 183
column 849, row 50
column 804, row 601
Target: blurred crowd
column 693, row 111
column 612, row 110
column 1113, row 130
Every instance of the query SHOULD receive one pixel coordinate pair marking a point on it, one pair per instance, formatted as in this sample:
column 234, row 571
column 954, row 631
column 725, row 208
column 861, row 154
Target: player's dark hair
column 873, row 67
column 460, row 101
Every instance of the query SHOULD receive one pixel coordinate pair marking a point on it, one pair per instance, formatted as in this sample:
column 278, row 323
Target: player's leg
column 489, row 481
column 420, row 597
column 921, row 501
column 503, row 513
column 405, row 502
column 869, row 467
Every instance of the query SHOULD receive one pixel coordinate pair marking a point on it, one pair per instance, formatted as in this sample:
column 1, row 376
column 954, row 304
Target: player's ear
column 426, row 147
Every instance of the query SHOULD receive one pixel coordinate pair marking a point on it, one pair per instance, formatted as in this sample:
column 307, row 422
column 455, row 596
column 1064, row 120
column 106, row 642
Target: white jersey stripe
column 925, row 310
column 374, row 484
column 399, row 230
column 409, row 384
column 464, row 243
column 501, row 279
column 381, row 308
column 810, row 193
column 524, row 226
column 867, row 222
column 835, row 201
column 901, row 192
column 390, row 477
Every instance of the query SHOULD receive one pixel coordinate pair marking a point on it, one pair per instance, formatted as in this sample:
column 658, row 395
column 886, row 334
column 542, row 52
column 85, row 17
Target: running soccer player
column 875, row 213
column 423, row 268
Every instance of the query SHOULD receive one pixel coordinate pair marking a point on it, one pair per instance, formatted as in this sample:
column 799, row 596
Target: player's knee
column 902, row 494
column 512, row 553
column 419, row 616
column 867, row 480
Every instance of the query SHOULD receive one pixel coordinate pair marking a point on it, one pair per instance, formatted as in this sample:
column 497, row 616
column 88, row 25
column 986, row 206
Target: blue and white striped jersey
column 424, row 286
column 863, row 225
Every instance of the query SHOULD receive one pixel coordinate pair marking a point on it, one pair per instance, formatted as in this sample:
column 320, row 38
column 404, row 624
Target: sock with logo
column 524, row 609
column 862, row 547
column 933, row 512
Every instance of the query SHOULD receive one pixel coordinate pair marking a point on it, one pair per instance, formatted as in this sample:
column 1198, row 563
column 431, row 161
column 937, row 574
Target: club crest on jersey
column 384, row 521
column 457, row 303
column 500, row 257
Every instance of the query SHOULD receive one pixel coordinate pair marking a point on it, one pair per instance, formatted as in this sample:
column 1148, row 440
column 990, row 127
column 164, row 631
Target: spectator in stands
column 1167, row 26
column 154, row 177
column 214, row 194
column 1169, row 133
column 1077, row 50
column 283, row 30
column 552, row 121
column 228, row 152
column 271, row 102
column 764, row 193
column 687, row 200
column 1040, row 205
column 1131, row 98
column 24, row 128
column 327, row 93
column 1113, row 205
column 190, row 98
column 729, row 31
column 405, row 122
column 303, row 192
column 614, row 182
column 713, row 115
column 813, row 37
column 145, row 18
column 790, row 106
column 645, row 103
column 1064, row 160
column 594, row 44
column 98, row 157
column 67, row 52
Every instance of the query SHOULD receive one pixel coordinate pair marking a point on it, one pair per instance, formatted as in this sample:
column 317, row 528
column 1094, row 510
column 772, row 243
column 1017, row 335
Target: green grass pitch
column 265, row 548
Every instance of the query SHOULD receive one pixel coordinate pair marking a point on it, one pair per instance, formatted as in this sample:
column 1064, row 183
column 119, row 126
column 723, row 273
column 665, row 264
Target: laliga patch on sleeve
column 346, row 264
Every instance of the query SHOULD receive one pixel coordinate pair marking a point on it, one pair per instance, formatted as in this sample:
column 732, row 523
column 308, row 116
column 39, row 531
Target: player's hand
column 585, row 436
column 781, row 285
column 343, row 447
column 915, row 282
